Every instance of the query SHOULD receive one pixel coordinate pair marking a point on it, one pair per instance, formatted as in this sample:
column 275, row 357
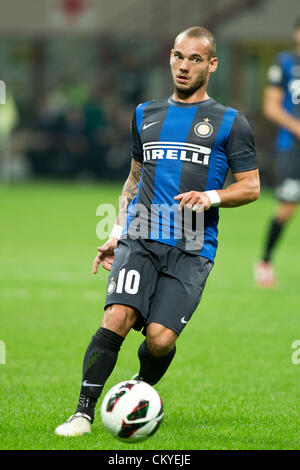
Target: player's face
column 190, row 64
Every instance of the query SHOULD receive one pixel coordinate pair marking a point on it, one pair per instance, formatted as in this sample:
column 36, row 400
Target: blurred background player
column 282, row 106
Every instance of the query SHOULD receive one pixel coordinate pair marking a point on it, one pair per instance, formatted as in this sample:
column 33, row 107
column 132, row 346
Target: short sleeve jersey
column 285, row 73
column 185, row 147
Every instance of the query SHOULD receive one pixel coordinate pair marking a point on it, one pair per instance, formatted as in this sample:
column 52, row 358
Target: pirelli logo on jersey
column 177, row 151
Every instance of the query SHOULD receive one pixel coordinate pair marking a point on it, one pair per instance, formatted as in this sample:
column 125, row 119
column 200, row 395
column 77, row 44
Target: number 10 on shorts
column 128, row 281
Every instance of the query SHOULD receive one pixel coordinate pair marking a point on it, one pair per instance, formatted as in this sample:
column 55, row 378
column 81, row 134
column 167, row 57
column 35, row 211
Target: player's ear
column 171, row 55
column 213, row 64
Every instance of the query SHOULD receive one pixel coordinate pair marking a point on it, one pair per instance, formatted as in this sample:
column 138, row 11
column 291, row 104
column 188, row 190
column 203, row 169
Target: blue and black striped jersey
column 285, row 73
column 185, row 147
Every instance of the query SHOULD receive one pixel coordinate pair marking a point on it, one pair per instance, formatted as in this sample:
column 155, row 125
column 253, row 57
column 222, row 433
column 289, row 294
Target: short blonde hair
column 201, row 32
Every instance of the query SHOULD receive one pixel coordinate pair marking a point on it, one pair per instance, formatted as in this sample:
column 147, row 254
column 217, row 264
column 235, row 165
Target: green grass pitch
column 232, row 384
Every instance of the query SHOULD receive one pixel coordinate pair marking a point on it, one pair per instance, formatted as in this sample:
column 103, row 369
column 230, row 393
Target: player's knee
column 119, row 318
column 285, row 211
column 159, row 346
column 160, row 341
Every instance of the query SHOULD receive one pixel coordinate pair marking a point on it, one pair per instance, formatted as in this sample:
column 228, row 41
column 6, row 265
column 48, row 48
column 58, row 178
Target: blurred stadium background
column 76, row 69
column 74, row 72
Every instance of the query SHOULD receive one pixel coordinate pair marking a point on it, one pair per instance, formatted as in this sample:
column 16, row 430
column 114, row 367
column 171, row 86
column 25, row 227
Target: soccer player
column 282, row 106
column 182, row 149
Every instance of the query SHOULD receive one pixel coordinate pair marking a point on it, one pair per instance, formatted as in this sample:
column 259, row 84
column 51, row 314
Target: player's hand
column 194, row 200
column 105, row 255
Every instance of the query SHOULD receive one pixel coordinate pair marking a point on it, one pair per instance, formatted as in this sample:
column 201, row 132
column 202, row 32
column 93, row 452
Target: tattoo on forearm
column 130, row 190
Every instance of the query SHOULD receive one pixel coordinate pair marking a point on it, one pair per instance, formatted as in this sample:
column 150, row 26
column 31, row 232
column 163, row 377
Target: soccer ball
column 132, row 411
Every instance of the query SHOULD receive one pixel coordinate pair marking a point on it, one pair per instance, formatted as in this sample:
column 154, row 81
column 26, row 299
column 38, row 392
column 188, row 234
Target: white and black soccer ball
column 132, row 411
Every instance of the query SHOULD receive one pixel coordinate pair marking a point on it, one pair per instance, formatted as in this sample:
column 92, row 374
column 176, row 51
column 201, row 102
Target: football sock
column 99, row 361
column 152, row 368
column 274, row 233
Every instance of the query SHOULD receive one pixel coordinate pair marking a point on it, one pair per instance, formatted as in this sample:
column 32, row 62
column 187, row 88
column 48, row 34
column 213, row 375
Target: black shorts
column 162, row 282
column 288, row 174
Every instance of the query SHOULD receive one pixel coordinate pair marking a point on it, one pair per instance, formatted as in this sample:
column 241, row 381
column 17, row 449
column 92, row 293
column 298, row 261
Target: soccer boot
column 137, row 377
column 76, row 425
column 264, row 274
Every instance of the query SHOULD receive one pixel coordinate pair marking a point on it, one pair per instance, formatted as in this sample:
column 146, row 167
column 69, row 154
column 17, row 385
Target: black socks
column 273, row 236
column 152, row 368
column 99, row 362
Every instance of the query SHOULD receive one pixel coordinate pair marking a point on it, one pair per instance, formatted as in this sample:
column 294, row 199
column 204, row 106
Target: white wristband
column 213, row 197
column 116, row 231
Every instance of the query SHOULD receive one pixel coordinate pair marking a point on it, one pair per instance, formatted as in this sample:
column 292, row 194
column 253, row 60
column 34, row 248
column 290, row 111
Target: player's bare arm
column 105, row 254
column 130, row 190
column 273, row 110
column 246, row 189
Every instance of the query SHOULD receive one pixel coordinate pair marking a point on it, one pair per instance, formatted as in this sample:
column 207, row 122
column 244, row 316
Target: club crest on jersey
column 111, row 287
column 203, row 129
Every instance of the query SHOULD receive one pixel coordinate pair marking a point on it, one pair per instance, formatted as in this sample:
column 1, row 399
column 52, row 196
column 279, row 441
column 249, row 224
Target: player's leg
column 156, row 352
column 264, row 270
column 288, row 194
column 128, row 294
column 102, row 353
column 284, row 213
column 178, row 293
column 99, row 361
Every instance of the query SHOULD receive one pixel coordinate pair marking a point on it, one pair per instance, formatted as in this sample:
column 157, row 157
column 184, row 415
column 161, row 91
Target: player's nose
column 184, row 66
